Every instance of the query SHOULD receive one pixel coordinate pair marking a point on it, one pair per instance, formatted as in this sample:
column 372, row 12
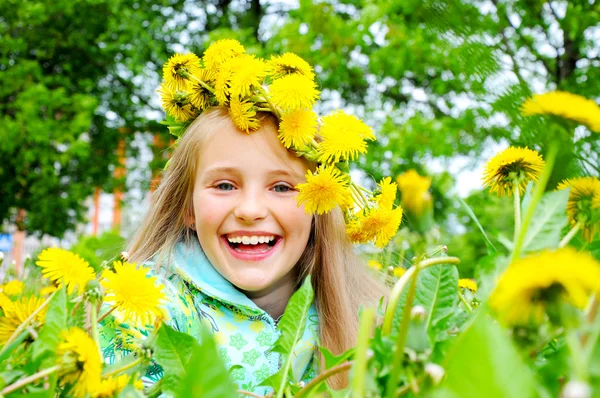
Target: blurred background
column 441, row 82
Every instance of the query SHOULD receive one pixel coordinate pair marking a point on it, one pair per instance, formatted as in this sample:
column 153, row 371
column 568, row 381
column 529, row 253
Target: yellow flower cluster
column 285, row 86
column 566, row 105
column 469, row 284
column 533, row 284
column 583, row 206
column 512, row 167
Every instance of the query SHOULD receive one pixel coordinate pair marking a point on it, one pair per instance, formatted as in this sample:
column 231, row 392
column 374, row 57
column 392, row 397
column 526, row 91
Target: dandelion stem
column 264, row 109
column 464, row 301
column 29, row 379
column 206, row 86
column 25, row 323
column 577, row 355
column 94, row 325
column 565, row 241
column 107, row 313
column 360, row 358
column 517, row 204
column 390, row 310
column 268, row 100
column 324, row 376
column 538, row 192
column 360, row 195
column 249, row 394
column 124, row 368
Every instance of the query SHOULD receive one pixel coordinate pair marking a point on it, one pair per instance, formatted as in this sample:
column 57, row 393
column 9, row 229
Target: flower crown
column 284, row 85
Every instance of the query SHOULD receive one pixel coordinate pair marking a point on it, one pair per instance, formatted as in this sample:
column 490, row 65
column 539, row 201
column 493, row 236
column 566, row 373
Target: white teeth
column 251, row 240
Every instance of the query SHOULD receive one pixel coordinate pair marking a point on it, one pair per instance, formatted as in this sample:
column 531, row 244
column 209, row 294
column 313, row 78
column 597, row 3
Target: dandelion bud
column 93, row 291
column 418, row 313
column 444, row 249
column 436, row 372
column 125, row 256
column 390, row 270
column 576, row 389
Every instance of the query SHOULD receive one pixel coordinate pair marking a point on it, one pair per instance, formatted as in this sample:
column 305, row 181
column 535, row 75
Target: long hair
column 341, row 281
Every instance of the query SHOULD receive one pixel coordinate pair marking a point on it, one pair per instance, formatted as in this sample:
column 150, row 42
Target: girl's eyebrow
column 234, row 170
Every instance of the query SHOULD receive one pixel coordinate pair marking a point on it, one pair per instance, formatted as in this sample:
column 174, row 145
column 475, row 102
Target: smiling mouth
column 250, row 248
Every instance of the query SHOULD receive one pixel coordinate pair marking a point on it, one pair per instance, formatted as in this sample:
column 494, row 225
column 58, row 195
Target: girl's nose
column 251, row 207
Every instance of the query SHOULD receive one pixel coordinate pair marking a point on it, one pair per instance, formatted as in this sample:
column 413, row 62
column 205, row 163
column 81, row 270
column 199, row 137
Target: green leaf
column 488, row 242
column 548, row 220
column 291, row 327
column 55, row 323
column 333, row 360
column 173, row 351
column 484, row 363
column 206, row 381
column 437, row 291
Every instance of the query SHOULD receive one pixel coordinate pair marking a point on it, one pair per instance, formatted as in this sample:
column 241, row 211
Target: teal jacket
column 244, row 333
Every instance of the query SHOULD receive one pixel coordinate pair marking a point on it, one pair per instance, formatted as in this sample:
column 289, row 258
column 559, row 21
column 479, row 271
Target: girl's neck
column 274, row 300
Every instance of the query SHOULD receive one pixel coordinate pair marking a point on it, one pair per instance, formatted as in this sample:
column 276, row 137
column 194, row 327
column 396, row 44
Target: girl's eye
column 224, row 186
column 282, row 188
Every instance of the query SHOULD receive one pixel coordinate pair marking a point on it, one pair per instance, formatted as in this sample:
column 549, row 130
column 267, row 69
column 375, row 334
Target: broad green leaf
column 173, row 351
column 488, row 242
column 55, row 323
column 548, row 220
column 437, row 291
column 484, row 363
column 291, row 327
column 206, row 381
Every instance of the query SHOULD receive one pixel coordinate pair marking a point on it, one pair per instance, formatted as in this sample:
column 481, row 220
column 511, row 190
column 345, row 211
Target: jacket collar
column 191, row 263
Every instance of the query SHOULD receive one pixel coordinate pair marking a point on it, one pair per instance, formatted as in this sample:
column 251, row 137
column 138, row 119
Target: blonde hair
column 341, row 281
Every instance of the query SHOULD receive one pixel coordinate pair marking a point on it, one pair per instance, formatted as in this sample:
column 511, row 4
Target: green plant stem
column 94, row 325
column 565, row 241
column 538, row 192
column 464, row 301
column 107, row 313
column 517, row 205
column 360, row 357
column 324, row 376
column 25, row 323
column 396, row 369
column 124, row 368
column 577, row 356
column 30, row 379
column 359, row 193
column 268, row 101
column 394, row 298
column 249, row 394
column 206, row 86
column 589, row 343
column 264, row 109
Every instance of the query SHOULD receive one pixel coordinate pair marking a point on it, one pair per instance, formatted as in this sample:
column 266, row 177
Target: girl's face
column 245, row 210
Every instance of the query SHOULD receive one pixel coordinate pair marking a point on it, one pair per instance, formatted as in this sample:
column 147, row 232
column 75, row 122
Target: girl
column 232, row 244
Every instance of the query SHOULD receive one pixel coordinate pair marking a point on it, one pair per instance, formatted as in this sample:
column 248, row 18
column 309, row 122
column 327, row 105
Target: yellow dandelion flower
column 248, row 73
column 45, row 291
column 387, row 195
column 415, row 191
column 177, row 70
column 530, row 286
column 399, row 271
column 293, row 92
column 12, row 288
column 200, row 97
column 566, row 105
column 177, row 102
column 522, row 164
column 138, row 298
column 584, row 204
column 287, row 64
column 223, row 82
column 5, row 302
column 243, row 114
column 298, row 128
column 65, row 268
column 375, row 265
column 111, row 386
column 220, row 51
column 343, row 137
column 324, row 190
column 80, row 362
column 138, row 385
column 17, row 312
column 467, row 284
column 381, row 225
